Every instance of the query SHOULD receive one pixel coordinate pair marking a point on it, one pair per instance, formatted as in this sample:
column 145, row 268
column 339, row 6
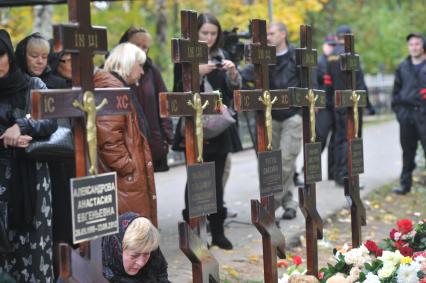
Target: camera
column 217, row 60
column 232, row 44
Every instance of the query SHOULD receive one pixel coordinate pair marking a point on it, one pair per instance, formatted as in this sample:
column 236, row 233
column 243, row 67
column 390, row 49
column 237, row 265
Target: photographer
column 222, row 75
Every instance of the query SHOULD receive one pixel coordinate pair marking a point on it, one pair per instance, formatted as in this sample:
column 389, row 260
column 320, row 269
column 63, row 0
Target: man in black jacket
column 336, row 81
column 409, row 104
column 287, row 123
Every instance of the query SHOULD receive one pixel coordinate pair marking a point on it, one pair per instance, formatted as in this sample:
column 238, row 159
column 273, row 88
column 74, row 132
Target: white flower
column 354, row 273
column 407, row 273
column 283, row 279
column 391, row 258
column 397, row 235
column 371, row 278
column 386, row 271
column 357, row 257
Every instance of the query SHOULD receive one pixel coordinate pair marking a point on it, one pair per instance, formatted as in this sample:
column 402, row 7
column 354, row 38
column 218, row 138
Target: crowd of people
column 35, row 213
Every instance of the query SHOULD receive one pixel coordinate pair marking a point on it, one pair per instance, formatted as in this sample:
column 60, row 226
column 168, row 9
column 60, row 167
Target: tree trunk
column 42, row 21
column 161, row 29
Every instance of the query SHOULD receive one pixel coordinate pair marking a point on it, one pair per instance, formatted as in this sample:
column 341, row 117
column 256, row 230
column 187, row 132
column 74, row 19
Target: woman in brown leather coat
column 122, row 143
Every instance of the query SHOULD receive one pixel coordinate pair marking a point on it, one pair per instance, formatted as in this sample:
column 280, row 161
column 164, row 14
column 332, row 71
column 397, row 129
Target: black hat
column 330, row 39
column 342, row 30
column 414, row 34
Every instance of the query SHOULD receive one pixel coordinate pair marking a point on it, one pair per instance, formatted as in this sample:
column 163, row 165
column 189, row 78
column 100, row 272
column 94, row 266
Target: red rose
column 297, row 260
column 379, row 252
column 399, row 244
column 423, row 280
column 392, row 234
column 406, row 251
column 320, row 275
column 404, row 225
column 371, row 246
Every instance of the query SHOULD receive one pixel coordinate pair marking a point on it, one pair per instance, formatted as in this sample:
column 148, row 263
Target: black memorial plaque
column 201, row 189
column 357, row 156
column 270, row 172
column 94, row 206
column 313, row 162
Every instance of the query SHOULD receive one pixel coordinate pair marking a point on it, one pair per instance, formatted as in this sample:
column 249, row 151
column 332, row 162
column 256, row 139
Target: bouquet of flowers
column 408, row 238
column 399, row 259
column 294, row 266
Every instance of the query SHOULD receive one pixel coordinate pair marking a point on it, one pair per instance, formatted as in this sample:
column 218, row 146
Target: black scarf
column 22, row 190
column 15, row 82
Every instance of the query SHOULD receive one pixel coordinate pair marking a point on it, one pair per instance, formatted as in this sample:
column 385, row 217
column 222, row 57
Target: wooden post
column 189, row 52
column 263, row 101
column 353, row 100
column 81, row 40
column 308, row 99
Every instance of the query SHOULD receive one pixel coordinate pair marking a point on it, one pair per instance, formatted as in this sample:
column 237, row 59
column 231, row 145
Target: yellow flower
column 406, row 260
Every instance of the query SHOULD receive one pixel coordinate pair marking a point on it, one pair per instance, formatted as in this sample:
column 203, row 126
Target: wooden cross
column 308, row 99
column 263, row 101
column 81, row 103
column 189, row 52
column 353, row 99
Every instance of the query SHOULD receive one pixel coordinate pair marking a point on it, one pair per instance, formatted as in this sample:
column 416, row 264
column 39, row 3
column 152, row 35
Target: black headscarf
column 15, row 82
column 52, row 81
column 112, row 257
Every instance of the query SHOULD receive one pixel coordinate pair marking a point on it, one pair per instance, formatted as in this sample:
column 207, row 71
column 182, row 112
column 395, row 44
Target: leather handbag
column 58, row 145
column 214, row 125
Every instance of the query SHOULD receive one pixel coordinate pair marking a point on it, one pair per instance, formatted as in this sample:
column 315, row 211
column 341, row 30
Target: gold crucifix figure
column 89, row 106
column 266, row 100
column 312, row 98
column 355, row 98
column 198, row 107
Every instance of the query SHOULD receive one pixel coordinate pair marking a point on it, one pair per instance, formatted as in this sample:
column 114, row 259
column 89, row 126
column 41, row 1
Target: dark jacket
column 52, row 81
column 282, row 75
column 337, row 76
column 160, row 129
column 155, row 270
column 409, row 90
column 229, row 140
column 124, row 148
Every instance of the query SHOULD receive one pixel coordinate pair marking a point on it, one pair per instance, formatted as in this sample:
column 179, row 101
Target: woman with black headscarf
column 32, row 55
column 133, row 254
column 25, row 199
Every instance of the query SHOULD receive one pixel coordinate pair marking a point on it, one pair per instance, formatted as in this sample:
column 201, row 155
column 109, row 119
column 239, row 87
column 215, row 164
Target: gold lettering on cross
column 93, row 40
column 266, row 100
column 90, row 108
column 191, row 52
column 49, row 104
column 174, row 106
column 198, row 107
column 312, row 98
column 79, row 40
column 355, row 99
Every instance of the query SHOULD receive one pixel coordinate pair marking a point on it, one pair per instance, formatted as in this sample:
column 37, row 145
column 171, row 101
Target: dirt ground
column 383, row 210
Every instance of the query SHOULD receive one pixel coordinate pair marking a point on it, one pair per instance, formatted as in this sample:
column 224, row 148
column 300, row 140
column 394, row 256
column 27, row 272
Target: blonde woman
column 133, row 255
column 122, row 140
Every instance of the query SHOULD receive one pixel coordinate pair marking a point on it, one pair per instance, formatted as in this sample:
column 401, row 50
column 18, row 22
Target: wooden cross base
column 263, row 217
column 358, row 213
column 74, row 268
column 314, row 226
column 205, row 268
